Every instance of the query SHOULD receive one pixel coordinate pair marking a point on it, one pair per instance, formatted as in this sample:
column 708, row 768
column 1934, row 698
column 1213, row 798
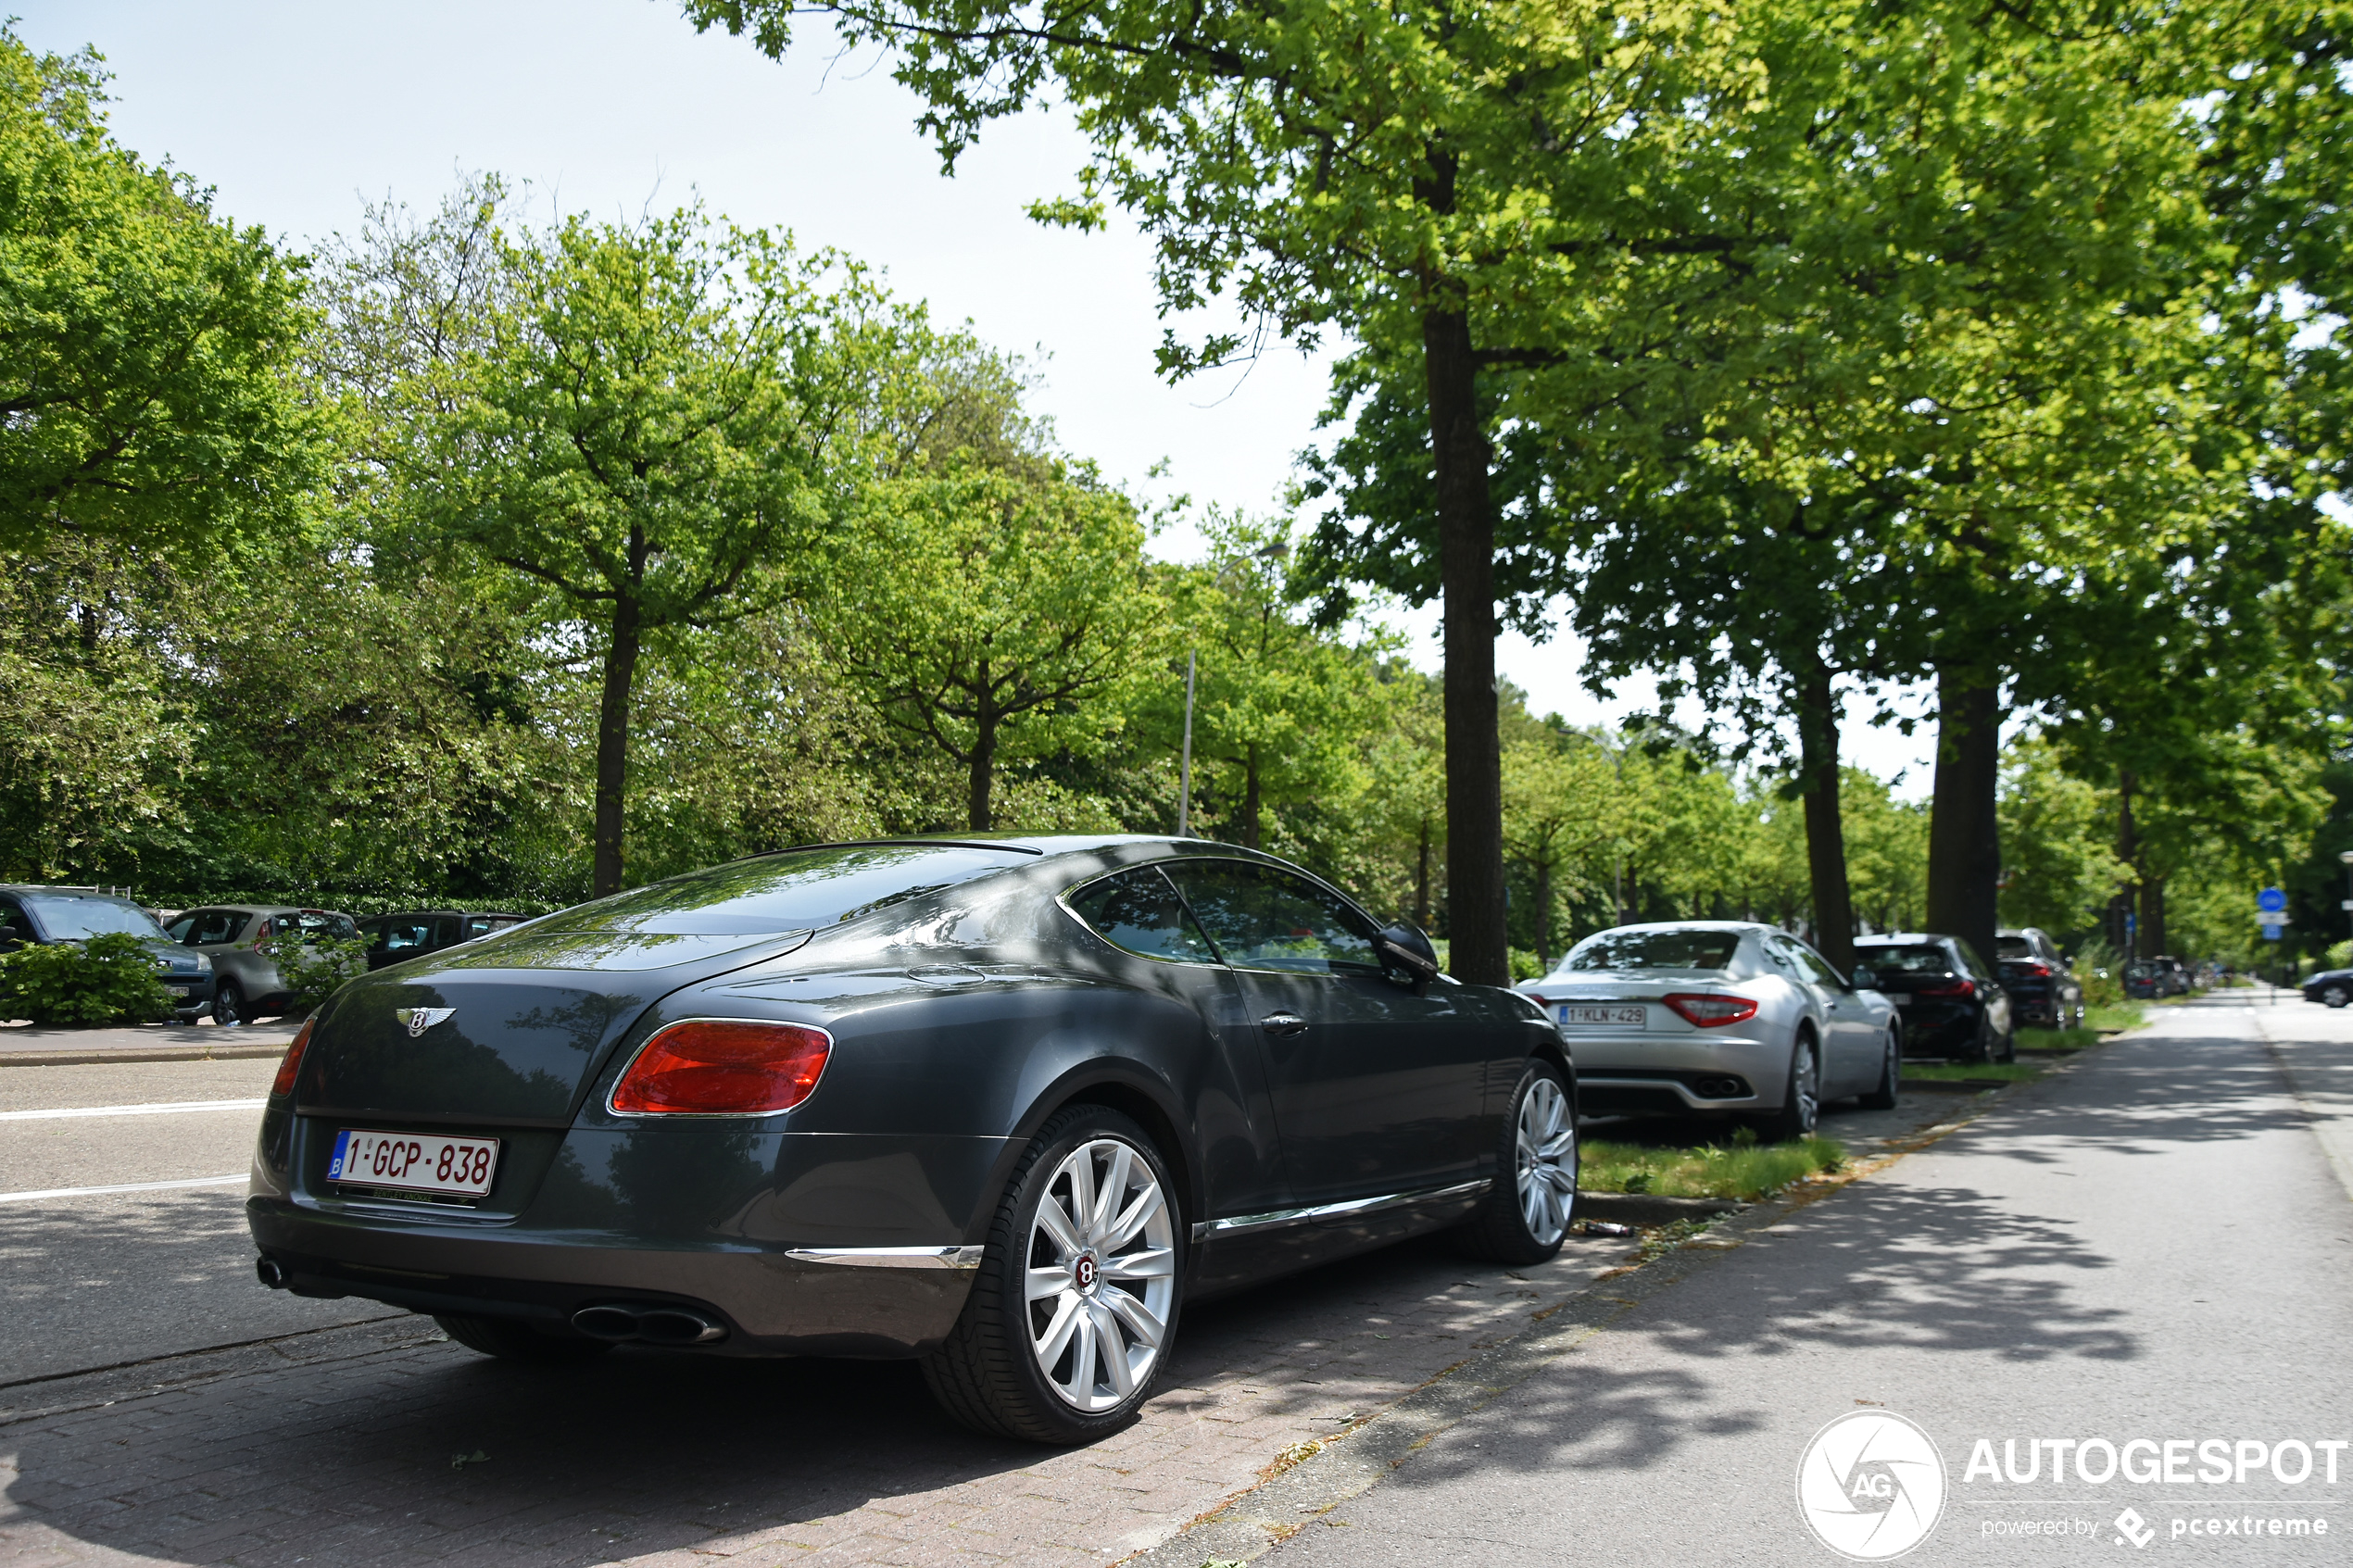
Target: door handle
column 1283, row 1023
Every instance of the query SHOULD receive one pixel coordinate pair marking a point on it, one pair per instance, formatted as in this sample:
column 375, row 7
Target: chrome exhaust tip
column 269, row 1272
column 620, row 1324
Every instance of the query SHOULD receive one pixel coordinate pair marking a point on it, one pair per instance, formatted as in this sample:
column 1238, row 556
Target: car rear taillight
column 2040, row 971
column 291, row 1069
column 1949, row 988
column 722, row 1067
column 1710, row 1011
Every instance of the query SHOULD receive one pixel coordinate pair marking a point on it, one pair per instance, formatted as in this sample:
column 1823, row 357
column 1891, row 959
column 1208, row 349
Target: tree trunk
column 1825, row 831
column 1964, row 840
column 2153, row 915
column 983, row 767
column 1250, row 795
column 2129, row 930
column 613, row 744
column 1421, row 879
column 1475, row 913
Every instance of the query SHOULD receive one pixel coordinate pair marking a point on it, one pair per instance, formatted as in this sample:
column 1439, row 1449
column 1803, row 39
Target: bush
column 313, row 971
column 108, row 979
column 2100, row 969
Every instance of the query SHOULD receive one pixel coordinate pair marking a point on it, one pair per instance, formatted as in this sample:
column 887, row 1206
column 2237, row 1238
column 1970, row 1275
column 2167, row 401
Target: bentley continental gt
column 1003, row 1105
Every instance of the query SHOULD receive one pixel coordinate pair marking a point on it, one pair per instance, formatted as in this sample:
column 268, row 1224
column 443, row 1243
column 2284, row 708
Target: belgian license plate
column 414, row 1163
column 1623, row 1015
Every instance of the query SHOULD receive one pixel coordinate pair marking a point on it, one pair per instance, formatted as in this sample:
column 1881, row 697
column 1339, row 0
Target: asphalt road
column 2156, row 1244
column 96, row 1279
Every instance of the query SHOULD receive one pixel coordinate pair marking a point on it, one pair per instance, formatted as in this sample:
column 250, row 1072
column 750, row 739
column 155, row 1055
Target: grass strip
column 1747, row 1172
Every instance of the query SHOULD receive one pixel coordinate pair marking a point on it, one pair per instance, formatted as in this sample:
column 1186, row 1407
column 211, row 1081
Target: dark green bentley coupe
column 1004, row 1105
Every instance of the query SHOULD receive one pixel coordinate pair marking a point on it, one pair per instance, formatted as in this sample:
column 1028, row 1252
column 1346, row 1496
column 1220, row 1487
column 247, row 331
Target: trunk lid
column 508, row 1030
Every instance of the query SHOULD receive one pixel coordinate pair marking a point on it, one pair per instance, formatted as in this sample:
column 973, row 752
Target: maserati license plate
column 1615, row 1015
column 414, row 1163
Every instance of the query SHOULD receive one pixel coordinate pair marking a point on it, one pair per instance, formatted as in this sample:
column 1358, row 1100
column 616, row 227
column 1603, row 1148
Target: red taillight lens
column 1950, row 988
column 722, row 1067
column 2041, row 971
column 291, row 1069
column 1711, row 1012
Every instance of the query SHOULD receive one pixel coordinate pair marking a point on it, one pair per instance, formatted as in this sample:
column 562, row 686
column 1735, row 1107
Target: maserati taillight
column 1709, row 1011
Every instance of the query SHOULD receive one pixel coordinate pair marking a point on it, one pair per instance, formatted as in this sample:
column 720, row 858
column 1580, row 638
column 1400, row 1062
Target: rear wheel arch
column 1115, row 1084
column 1153, row 1118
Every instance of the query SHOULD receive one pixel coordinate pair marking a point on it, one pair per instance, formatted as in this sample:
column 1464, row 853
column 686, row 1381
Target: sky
column 299, row 115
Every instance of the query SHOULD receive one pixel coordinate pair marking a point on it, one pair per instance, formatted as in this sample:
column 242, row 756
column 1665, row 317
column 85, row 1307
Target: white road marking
column 127, row 1186
column 135, row 1109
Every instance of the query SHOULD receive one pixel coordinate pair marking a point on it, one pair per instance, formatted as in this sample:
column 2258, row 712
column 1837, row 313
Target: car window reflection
column 1264, row 919
column 1138, row 911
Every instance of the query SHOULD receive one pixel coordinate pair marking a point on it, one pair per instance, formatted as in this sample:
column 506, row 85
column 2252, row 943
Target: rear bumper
column 1633, row 1092
column 878, row 1305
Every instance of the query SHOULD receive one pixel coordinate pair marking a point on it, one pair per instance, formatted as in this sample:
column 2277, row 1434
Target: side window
column 216, row 927
column 16, row 927
column 1811, row 964
column 1138, row 910
column 178, row 930
column 477, row 925
column 1261, row 918
column 405, row 935
column 448, row 930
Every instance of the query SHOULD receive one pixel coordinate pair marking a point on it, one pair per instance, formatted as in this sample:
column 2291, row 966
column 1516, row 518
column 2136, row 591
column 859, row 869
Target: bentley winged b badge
column 419, row 1020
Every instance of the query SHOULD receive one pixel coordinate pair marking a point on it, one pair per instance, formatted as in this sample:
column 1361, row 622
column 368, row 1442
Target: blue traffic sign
column 2271, row 899
column 2271, row 933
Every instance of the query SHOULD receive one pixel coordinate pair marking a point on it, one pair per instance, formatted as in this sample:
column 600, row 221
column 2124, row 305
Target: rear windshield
column 1925, row 958
column 2012, row 947
column 1688, row 953
column 790, row 892
column 75, row 917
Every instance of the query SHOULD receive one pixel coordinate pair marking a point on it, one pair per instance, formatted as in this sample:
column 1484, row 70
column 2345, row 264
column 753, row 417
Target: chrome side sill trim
column 890, row 1257
column 1242, row 1224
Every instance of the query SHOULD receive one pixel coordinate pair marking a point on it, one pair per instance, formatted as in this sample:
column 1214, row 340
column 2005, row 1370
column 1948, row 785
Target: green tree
column 147, row 348
column 996, row 618
column 1561, row 797
column 636, row 426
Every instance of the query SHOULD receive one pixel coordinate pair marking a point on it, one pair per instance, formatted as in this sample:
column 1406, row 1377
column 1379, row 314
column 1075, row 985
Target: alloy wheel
column 1547, row 1144
column 1101, row 1275
column 1805, row 1087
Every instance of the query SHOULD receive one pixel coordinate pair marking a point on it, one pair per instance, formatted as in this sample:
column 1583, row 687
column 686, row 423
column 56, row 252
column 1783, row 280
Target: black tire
column 2334, row 996
column 1891, row 1077
column 1503, row 1231
column 985, row 1373
column 513, row 1341
column 2009, row 1046
column 1800, row 1113
column 228, row 1005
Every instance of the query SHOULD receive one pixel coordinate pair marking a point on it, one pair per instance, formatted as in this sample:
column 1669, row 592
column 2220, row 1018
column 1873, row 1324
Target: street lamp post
column 1185, row 768
column 2346, row 856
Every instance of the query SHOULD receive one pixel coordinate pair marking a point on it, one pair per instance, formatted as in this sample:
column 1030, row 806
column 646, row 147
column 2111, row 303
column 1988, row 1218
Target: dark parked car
column 2045, row 993
column 2330, row 987
column 397, row 939
column 31, row 914
column 232, row 936
column 1003, row 1105
column 2143, row 981
column 2173, row 978
column 1951, row 1004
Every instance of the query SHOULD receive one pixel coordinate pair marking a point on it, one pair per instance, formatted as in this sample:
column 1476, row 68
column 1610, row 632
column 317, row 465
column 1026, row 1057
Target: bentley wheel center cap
column 1085, row 1271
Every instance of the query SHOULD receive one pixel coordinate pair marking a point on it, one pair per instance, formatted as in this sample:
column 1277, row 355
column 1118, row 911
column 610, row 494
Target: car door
column 1247, row 1198
column 1852, row 1042
column 1379, row 1089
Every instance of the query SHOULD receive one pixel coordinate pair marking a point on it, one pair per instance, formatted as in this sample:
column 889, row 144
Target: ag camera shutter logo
column 1871, row 1485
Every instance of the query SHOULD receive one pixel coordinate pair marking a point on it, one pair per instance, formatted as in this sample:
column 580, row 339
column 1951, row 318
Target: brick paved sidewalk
column 344, row 1447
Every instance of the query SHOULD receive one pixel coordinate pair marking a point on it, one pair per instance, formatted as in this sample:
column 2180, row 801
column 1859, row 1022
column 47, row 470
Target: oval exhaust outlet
column 268, row 1272
column 606, row 1323
column 677, row 1326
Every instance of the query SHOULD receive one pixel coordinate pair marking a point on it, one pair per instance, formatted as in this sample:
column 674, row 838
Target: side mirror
column 1403, row 947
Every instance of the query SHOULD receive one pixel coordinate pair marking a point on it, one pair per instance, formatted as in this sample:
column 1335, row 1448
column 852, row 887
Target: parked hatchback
column 2331, row 987
column 397, row 939
column 30, row 915
column 2045, row 993
column 1953, row 1005
column 247, row 985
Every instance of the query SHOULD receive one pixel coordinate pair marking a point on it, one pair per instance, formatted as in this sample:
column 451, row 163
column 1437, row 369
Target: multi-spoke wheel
column 1102, row 1265
column 1075, row 1304
column 1801, row 1101
column 1526, row 1213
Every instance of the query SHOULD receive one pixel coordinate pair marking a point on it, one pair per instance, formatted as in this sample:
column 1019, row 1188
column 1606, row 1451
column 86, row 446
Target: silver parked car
column 248, row 985
column 1719, row 1018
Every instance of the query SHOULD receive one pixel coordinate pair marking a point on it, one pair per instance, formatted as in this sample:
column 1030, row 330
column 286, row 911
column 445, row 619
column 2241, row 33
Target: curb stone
column 140, row 1053
column 1352, row 1463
